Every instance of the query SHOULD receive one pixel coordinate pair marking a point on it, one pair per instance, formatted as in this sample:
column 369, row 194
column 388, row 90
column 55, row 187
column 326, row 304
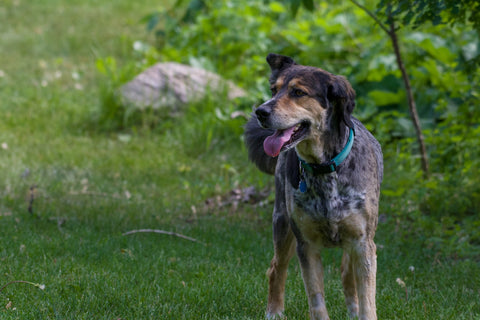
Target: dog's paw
column 275, row 316
column 353, row 310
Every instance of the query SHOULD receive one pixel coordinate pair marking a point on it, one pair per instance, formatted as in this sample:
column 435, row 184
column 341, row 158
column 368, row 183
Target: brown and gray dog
column 328, row 170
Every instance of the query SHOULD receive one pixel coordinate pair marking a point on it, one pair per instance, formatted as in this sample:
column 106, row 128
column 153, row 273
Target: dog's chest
column 328, row 209
column 326, row 198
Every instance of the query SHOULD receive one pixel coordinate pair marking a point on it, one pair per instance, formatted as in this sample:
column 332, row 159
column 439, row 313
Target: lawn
column 69, row 191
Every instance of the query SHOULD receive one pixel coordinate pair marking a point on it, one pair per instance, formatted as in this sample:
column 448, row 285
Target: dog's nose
column 262, row 113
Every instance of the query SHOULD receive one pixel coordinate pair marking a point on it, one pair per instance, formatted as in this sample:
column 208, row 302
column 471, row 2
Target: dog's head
column 306, row 101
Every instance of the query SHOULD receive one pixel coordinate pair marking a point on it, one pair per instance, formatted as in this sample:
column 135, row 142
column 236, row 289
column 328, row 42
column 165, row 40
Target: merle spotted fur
column 337, row 209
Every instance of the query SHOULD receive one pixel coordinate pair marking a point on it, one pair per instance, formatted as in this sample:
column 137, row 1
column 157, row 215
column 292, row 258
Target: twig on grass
column 97, row 194
column 163, row 232
column 38, row 285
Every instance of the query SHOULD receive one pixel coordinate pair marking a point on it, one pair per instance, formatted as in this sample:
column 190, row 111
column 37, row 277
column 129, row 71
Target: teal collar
column 330, row 166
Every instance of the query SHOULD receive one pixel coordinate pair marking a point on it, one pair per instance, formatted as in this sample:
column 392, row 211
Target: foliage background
column 96, row 169
column 440, row 47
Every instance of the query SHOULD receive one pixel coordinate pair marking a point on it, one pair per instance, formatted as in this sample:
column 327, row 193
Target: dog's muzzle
column 263, row 113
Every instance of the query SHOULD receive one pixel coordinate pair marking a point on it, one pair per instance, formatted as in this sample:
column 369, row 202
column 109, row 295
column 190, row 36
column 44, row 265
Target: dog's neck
column 322, row 146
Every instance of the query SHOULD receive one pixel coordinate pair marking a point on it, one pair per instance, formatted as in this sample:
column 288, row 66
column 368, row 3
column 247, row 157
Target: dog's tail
column 254, row 137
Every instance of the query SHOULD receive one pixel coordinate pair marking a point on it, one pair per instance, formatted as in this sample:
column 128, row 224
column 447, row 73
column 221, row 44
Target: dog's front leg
column 284, row 249
column 349, row 285
column 312, row 273
column 284, row 246
column 365, row 266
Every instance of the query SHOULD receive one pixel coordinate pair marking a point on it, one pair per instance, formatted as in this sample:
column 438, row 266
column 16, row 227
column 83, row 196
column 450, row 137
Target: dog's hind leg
column 284, row 249
column 349, row 285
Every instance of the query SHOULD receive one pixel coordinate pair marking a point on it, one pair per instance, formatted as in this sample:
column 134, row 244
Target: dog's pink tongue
column 274, row 143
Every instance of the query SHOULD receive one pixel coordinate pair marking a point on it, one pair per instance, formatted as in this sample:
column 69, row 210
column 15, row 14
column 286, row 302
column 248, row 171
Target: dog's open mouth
column 285, row 139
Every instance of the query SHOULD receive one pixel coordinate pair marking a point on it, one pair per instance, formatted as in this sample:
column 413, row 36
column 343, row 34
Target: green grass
column 92, row 185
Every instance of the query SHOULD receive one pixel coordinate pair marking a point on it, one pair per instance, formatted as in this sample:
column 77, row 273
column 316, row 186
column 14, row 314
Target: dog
column 328, row 170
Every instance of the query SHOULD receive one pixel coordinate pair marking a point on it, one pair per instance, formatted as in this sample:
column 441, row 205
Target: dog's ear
column 342, row 96
column 278, row 63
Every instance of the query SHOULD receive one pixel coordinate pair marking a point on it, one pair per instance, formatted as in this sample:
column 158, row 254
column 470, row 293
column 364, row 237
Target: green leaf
column 100, row 64
column 277, row 7
column 194, row 8
column 384, row 98
column 308, row 4
column 152, row 20
column 295, row 5
column 393, row 193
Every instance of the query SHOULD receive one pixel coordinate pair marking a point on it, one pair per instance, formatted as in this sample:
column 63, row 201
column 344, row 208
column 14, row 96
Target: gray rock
column 173, row 85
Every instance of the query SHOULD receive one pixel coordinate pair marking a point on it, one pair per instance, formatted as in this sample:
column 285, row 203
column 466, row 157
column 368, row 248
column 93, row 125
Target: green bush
column 232, row 38
column 454, row 190
column 112, row 114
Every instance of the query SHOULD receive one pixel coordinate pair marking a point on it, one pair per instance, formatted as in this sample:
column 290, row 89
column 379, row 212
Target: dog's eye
column 274, row 90
column 298, row 93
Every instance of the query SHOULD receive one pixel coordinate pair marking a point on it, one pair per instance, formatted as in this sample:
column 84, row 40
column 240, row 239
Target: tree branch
column 411, row 101
column 374, row 17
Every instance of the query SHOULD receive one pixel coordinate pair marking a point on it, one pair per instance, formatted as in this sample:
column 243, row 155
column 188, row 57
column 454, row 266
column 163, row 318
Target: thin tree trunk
column 411, row 101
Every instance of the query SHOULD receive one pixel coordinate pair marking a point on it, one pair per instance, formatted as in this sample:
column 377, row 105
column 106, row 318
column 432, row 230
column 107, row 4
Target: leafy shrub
column 207, row 124
column 456, row 160
column 112, row 114
column 445, row 207
column 233, row 37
